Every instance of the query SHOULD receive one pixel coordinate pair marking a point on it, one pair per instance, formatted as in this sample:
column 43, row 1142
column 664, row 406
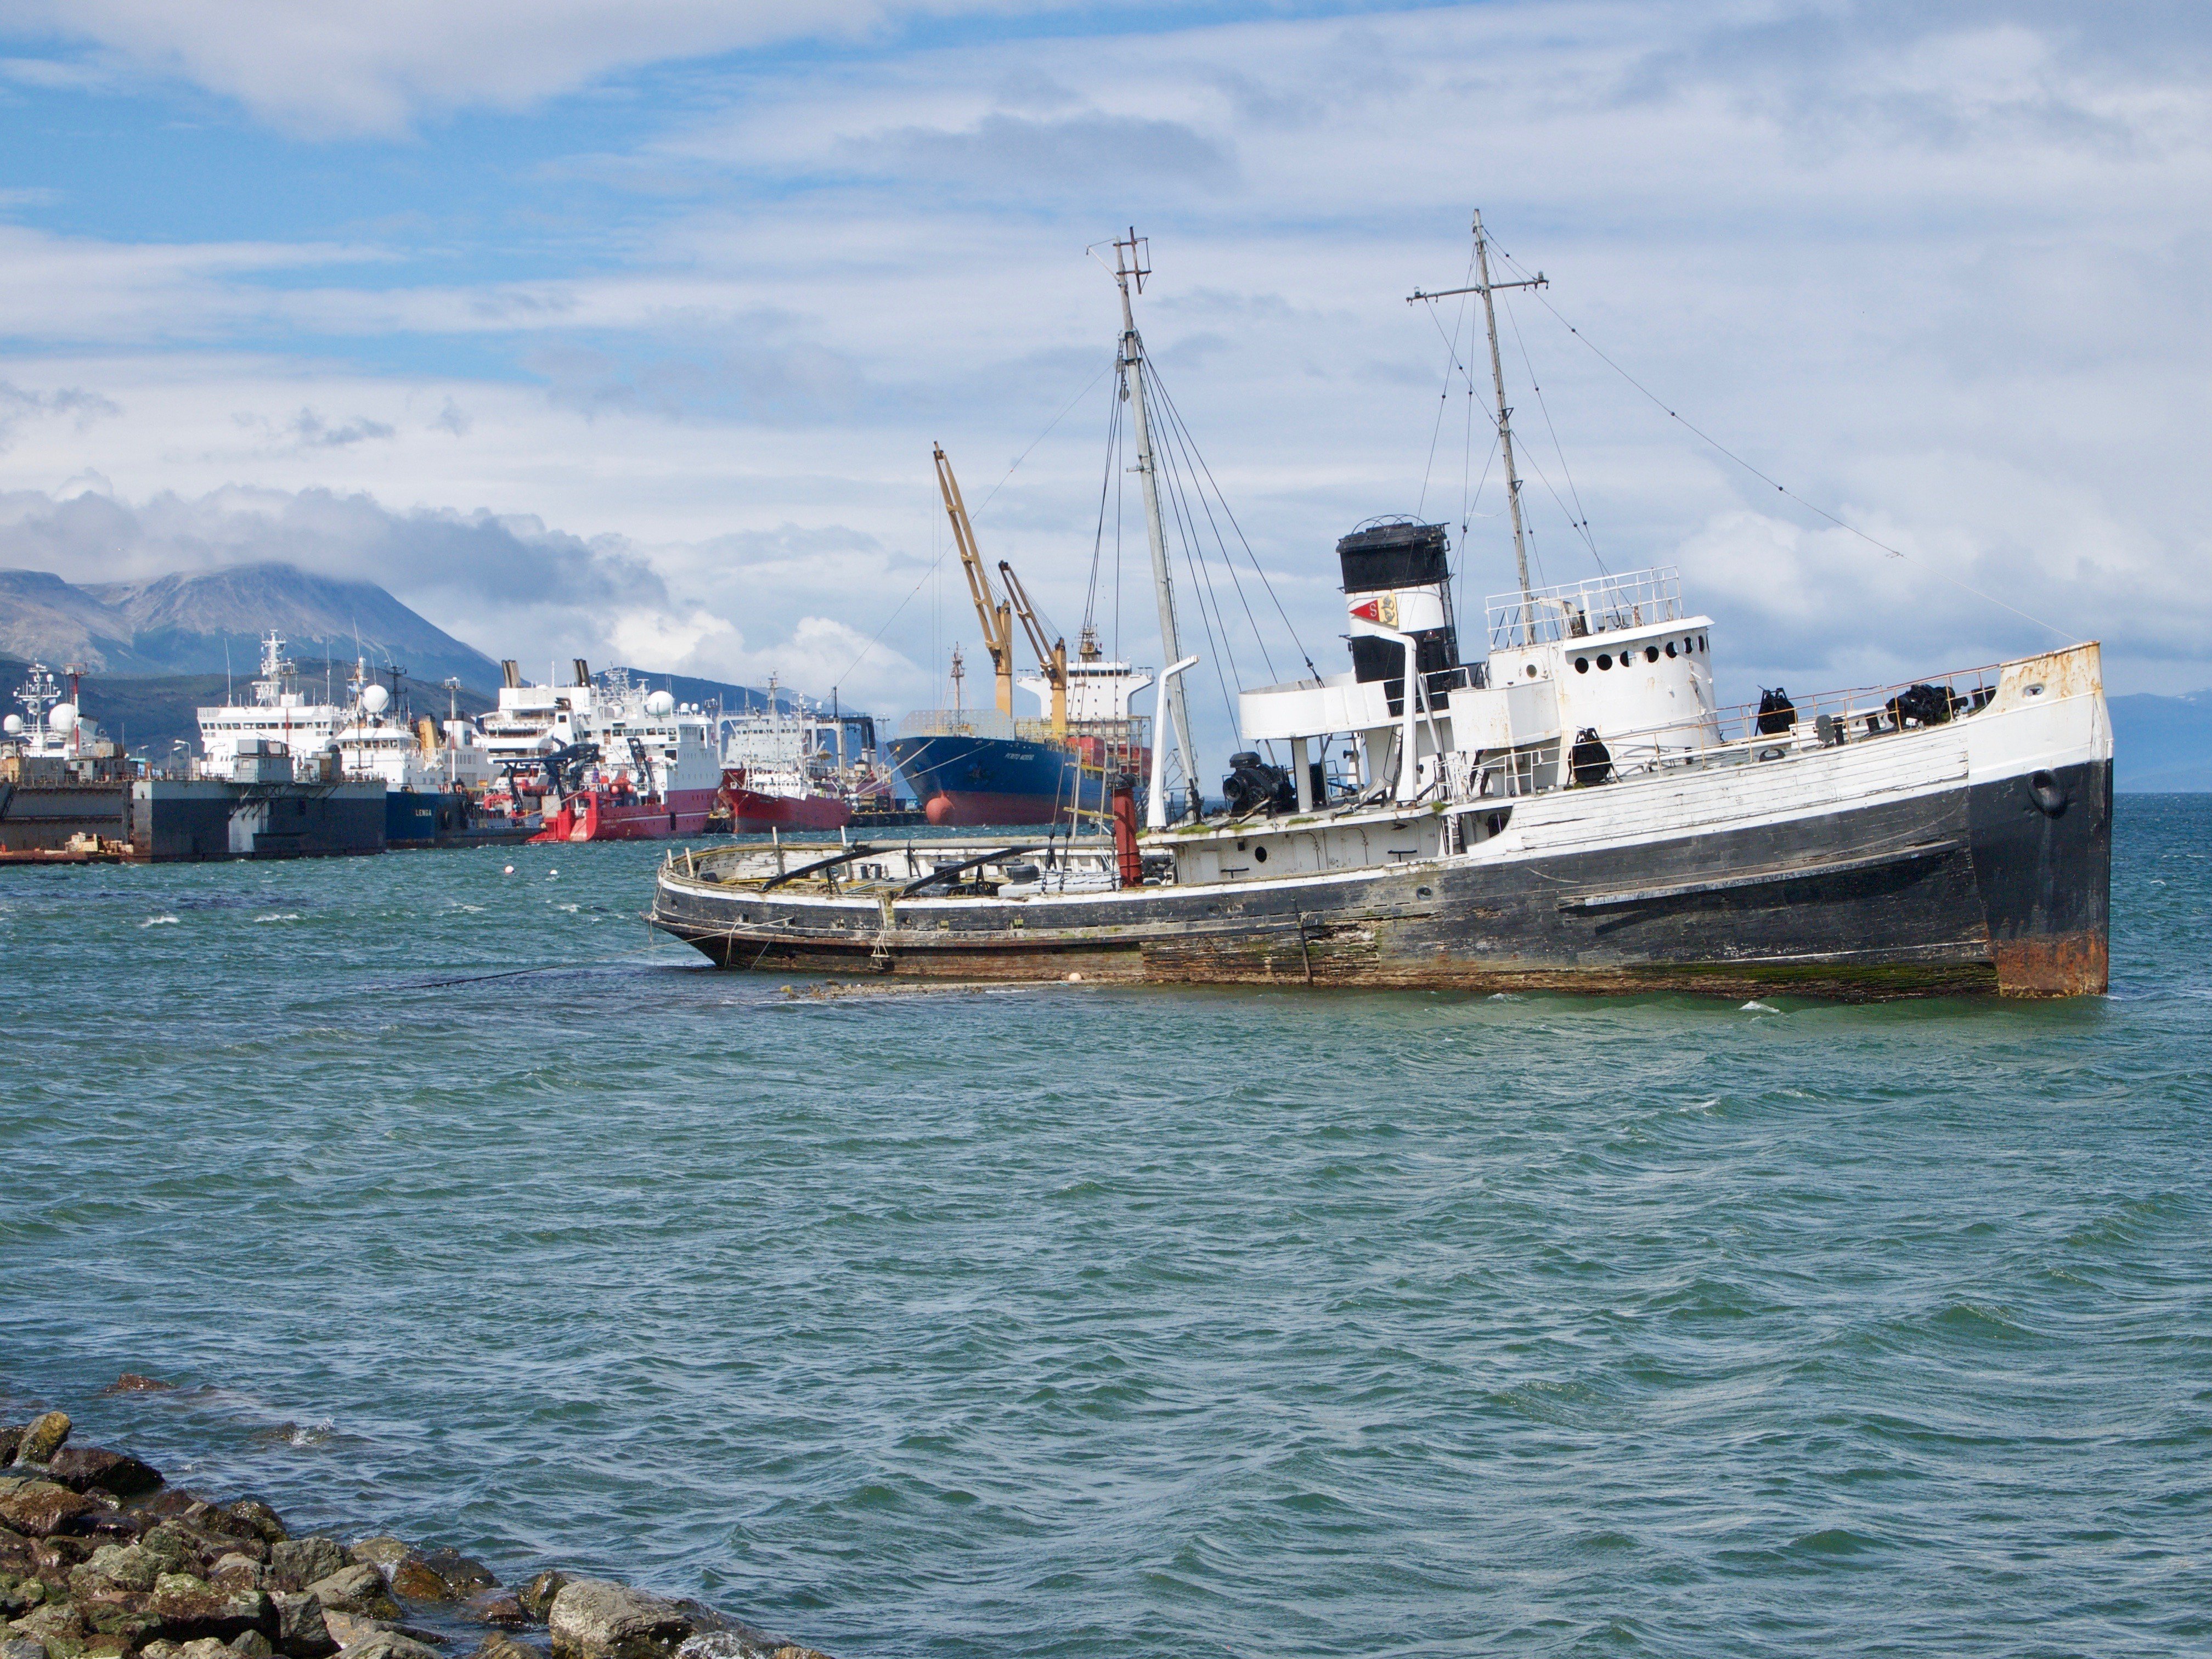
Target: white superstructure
column 282, row 735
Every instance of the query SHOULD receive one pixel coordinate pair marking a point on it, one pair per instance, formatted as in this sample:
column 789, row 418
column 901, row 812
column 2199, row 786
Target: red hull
column 600, row 815
column 754, row 814
column 969, row 808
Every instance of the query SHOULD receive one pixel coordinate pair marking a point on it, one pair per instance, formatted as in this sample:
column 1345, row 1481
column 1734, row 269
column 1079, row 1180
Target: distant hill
column 202, row 622
column 2163, row 745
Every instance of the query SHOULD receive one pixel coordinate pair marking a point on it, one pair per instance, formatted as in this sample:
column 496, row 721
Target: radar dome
column 660, row 705
column 63, row 717
column 375, row 699
column 13, row 726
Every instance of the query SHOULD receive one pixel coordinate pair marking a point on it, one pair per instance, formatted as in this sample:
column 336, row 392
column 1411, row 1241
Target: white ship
column 1571, row 810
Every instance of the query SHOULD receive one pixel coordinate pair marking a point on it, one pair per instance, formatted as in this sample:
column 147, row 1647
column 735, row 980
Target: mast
column 1485, row 287
column 1129, row 263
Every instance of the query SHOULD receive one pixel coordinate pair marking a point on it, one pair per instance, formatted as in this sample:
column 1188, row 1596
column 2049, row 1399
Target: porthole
column 1581, row 664
column 1532, row 670
column 1651, row 653
column 1670, row 647
column 1605, row 660
column 1259, row 855
column 1425, row 892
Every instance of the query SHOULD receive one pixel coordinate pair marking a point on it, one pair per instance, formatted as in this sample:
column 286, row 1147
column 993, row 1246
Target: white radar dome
column 63, row 717
column 375, row 699
column 660, row 704
column 13, row 726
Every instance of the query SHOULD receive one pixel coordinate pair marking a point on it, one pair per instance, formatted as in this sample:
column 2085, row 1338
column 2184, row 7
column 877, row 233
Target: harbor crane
column 1052, row 659
column 994, row 613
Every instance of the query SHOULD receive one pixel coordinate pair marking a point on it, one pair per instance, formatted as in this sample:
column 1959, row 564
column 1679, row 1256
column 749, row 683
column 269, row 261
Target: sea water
column 1066, row 1320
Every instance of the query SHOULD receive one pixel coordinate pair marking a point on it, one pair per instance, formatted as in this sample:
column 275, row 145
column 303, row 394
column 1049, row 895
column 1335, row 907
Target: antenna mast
column 1129, row 257
column 1486, row 287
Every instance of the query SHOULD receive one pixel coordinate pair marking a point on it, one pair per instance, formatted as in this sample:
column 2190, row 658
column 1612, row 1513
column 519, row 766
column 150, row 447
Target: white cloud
column 322, row 70
column 1939, row 270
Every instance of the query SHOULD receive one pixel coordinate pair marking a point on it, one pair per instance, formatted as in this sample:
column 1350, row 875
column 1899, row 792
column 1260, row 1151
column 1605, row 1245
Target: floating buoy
column 508, row 871
column 1075, row 979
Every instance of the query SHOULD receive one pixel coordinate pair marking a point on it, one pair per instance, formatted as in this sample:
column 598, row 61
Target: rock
column 173, row 1546
column 190, row 1606
column 82, row 1468
column 346, row 1629
column 22, row 1647
column 597, row 1619
column 298, row 1562
column 11, row 1436
column 43, row 1508
column 252, row 1645
column 159, row 1648
column 496, row 1606
column 250, row 1518
column 301, row 1631
column 728, row 1645
column 59, row 1627
column 355, row 1590
column 537, row 1597
column 497, row 1646
column 43, row 1438
column 132, row 1382
column 388, row 1644
column 465, row 1573
column 125, row 1566
column 236, row 1572
column 381, row 1552
column 414, row 1578
column 204, row 1647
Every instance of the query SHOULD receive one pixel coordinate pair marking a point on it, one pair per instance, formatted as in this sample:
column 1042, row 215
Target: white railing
column 1575, row 609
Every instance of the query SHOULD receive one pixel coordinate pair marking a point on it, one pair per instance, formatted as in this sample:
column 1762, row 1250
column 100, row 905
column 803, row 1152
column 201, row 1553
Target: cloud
column 81, row 408
column 508, row 585
column 324, row 71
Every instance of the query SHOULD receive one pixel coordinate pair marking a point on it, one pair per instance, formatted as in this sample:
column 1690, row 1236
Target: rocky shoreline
column 101, row 1559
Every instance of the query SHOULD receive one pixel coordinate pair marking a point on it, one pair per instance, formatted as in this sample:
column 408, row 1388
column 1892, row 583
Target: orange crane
column 994, row 613
column 1052, row 659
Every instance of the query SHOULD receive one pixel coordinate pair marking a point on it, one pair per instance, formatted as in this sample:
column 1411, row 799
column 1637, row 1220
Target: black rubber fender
column 2048, row 794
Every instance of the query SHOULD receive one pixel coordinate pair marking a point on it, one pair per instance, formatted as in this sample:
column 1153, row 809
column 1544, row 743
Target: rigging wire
column 1451, row 363
column 974, row 513
column 1175, row 414
column 1579, row 518
column 1177, row 435
column 1707, row 438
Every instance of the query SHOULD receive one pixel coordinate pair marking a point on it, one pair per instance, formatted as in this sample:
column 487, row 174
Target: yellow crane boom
column 994, row 613
column 1052, row 659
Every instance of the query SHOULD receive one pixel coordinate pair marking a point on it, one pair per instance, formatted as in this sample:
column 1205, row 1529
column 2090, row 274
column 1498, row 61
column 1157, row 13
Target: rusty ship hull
column 1969, row 858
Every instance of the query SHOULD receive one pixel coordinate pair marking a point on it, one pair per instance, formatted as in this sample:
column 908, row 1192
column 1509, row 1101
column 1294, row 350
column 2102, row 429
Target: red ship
column 615, row 813
column 757, row 811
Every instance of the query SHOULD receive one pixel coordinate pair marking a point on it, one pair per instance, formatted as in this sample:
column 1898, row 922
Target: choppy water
column 1076, row 1322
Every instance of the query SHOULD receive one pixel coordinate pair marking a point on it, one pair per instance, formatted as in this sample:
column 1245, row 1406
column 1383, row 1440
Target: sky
column 623, row 328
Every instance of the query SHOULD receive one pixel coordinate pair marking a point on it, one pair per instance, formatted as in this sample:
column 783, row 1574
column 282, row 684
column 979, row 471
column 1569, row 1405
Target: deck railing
column 1574, row 609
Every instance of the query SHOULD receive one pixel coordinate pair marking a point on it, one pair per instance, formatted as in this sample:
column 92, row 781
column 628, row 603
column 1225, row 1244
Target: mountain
column 2163, row 745
column 208, row 622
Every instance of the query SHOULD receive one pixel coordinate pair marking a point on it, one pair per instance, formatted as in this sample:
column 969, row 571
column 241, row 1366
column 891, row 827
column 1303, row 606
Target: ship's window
column 1605, row 660
column 1581, row 664
column 1702, row 645
column 1670, row 647
column 1651, row 653
column 1532, row 670
column 1260, row 853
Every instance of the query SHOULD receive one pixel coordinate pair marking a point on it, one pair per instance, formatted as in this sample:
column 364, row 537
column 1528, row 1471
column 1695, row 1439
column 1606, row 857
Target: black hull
column 1976, row 890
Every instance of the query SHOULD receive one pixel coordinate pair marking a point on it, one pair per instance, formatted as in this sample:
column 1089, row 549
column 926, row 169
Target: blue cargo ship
column 970, row 766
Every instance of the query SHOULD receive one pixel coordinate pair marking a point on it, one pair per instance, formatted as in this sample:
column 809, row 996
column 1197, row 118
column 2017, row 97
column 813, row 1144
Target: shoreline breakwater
column 101, row 1559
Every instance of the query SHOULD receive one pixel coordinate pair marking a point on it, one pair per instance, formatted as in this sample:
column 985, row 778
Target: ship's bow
column 2040, row 818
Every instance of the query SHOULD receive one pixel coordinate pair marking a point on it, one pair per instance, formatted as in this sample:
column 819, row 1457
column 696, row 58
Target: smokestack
column 512, row 675
column 583, row 671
